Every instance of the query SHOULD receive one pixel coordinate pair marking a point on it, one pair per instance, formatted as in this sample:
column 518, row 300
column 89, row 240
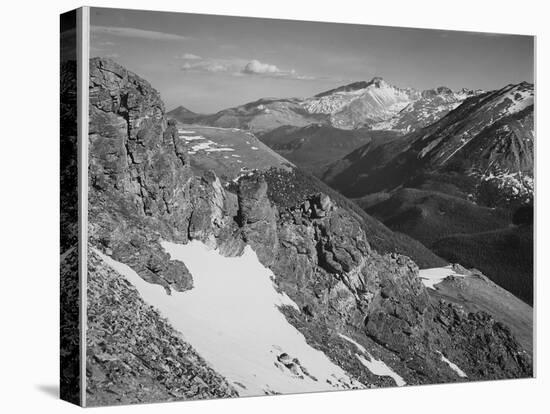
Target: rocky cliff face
column 324, row 262
column 142, row 191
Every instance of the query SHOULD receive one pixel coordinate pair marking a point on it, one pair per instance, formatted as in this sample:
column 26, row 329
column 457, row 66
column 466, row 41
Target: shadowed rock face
column 143, row 191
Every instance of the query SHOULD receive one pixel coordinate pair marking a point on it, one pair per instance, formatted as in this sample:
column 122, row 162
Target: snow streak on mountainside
column 433, row 105
column 231, row 318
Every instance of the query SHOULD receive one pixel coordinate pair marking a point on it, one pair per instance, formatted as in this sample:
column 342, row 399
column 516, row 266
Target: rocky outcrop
column 325, row 264
column 258, row 218
column 137, row 180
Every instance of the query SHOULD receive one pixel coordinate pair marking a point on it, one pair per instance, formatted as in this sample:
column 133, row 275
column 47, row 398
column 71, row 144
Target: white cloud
column 239, row 67
column 136, row 33
column 189, row 56
column 209, row 65
column 255, row 67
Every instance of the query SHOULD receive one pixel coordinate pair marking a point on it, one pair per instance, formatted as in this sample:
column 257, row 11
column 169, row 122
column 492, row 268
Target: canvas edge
column 83, row 104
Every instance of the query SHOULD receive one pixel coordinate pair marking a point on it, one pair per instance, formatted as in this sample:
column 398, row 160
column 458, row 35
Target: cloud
column 136, row 33
column 188, row 56
column 255, row 67
column 240, row 67
column 210, row 65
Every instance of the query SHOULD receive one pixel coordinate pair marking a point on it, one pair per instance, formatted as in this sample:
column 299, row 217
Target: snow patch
column 377, row 367
column 232, row 318
column 192, row 137
column 435, row 275
column 219, row 149
column 453, row 366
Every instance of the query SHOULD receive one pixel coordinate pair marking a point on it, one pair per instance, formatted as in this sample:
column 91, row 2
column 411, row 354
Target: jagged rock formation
column 326, row 265
column 142, row 191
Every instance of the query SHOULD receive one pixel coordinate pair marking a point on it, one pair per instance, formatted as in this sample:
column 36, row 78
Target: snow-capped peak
column 378, row 82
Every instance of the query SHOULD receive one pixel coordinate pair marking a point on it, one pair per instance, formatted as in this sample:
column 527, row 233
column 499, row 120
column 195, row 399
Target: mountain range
column 438, row 165
column 373, row 105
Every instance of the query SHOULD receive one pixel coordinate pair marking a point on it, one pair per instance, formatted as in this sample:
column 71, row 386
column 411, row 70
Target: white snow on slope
column 183, row 131
column 192, row 137
column 435, row 275
column 453, row 366
column 231, row 318
column 516, row 98
column 219, row 149
column 207, row 145
column 378, row 97
column 377, row 367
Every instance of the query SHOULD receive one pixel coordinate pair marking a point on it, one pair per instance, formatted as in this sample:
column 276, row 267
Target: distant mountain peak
column 379, row 82
column 350, row 87
column 182, row 114
column 182, row 109
column 440, row 90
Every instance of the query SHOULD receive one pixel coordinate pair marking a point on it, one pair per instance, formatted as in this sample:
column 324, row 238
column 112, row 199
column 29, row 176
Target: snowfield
column 232, row 319
column 435, row 275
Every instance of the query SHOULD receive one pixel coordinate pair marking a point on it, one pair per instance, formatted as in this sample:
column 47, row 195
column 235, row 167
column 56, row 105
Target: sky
column 208, row 63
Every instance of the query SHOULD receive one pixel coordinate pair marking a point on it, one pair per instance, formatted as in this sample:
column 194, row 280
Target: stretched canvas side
column 73, row 201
